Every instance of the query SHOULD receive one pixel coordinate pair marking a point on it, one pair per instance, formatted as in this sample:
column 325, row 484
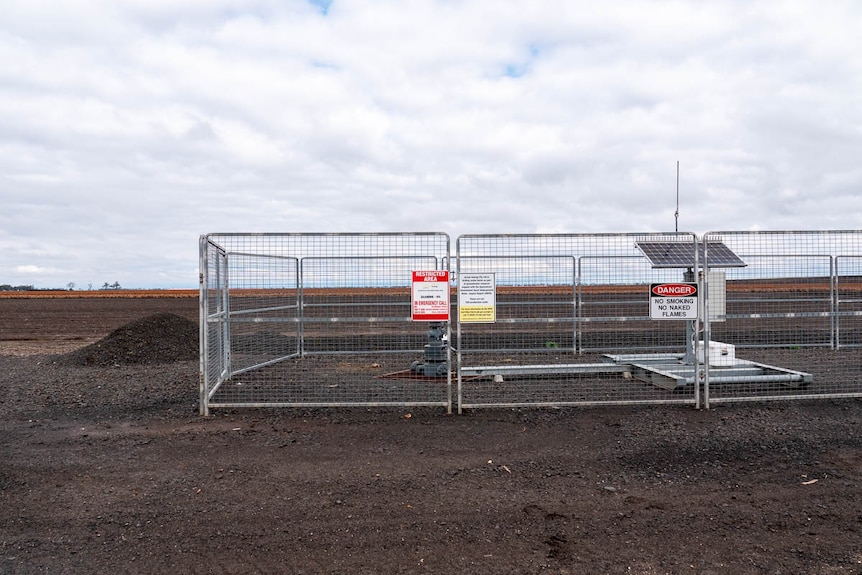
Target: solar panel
column 681, row 255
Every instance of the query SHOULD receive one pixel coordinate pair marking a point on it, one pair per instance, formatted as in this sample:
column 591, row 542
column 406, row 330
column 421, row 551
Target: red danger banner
column 676, row 289
column 430, row 295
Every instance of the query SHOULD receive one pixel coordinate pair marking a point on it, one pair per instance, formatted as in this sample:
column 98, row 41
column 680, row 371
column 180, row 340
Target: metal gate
column 315, row 320
column 796, row 305
column 572, row 323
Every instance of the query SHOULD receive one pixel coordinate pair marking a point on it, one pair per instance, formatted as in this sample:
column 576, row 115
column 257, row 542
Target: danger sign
column 673, row 301
column 430, row 295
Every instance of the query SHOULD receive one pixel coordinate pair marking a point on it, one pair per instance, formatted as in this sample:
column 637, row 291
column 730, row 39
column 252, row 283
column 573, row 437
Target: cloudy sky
column 128, row 128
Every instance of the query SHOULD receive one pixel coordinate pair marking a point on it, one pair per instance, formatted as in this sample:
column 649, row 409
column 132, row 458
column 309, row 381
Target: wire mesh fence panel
column 566, row 308
column 213, row 319
column 781, row 331
column 320, row 320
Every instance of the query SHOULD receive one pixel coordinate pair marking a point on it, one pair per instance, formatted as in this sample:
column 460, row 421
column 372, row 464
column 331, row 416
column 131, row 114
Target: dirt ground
column 106, row 467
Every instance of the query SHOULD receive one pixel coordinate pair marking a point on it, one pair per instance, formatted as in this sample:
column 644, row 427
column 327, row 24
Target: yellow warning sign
column 477, row 314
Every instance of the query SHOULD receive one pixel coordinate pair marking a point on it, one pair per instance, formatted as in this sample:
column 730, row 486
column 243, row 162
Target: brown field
column 107, row 468
column 98, row 294
column 812, row 284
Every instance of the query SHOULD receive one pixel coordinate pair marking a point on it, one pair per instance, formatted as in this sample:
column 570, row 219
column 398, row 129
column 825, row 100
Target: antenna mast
column 676, row 213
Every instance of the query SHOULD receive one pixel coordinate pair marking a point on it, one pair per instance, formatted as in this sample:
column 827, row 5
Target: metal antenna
column 676, row 213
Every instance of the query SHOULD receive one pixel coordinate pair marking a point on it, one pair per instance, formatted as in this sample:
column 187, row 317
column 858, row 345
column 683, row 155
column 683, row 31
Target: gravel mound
column 158, row 338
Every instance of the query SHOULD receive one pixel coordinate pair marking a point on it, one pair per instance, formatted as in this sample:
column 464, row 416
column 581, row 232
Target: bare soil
column 106, row 467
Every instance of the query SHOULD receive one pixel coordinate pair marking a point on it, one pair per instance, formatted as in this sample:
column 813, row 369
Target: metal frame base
column 665, row 370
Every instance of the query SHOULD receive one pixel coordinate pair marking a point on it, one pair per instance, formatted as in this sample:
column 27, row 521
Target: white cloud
column 129, row 128
column 33, row 270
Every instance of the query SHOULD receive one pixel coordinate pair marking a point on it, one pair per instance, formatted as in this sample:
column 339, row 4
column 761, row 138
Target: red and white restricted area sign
column 430, row 295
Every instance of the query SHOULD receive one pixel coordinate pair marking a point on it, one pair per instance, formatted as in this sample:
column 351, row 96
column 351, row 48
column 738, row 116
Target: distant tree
column 90, row 286
column 70, row 286
column 106, row 286
column 115, row 285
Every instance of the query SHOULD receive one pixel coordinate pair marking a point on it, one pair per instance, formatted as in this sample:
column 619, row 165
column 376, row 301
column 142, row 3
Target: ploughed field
column 107, row 467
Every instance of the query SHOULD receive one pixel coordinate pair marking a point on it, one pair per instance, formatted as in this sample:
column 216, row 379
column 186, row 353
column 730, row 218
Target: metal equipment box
column 720, row 354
